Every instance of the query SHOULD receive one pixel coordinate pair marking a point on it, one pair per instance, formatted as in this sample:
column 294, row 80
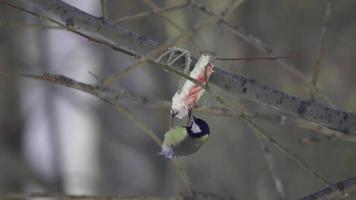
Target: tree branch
column 190, row 196
column 235, row 84
column 335, row 191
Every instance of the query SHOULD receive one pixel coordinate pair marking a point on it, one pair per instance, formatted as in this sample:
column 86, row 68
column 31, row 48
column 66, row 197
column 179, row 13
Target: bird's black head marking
column 202, row 125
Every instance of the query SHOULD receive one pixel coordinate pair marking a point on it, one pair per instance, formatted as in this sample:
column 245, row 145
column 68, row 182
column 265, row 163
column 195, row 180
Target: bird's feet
column 167, row 153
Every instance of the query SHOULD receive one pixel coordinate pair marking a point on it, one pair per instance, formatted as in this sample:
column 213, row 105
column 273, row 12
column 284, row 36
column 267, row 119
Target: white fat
column 195, row 128
column 179, row 107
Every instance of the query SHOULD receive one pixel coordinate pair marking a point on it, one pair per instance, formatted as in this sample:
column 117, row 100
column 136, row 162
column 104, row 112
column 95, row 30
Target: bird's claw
column 167, row 154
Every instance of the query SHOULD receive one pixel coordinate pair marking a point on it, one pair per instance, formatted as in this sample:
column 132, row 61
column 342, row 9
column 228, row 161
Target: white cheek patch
column 195, row 128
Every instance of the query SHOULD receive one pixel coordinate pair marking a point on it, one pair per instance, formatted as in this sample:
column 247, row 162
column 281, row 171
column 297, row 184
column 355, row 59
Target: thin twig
column 321, row 43
column 274, row 172
column 258, row 44
column 20, row 196
column 154, row 11
column 169, row 20
column 232, row 6
column 119, row 74
column 268, row 155
column 257, row 58
column 163, row 15
column 104, row 9
column 184, row 36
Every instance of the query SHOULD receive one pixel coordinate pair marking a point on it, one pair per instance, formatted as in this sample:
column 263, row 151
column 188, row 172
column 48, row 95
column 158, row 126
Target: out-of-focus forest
column 58, row 140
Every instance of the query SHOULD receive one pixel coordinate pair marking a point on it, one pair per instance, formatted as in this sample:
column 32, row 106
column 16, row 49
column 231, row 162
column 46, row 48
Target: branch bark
column 336, row 191
column 190, row 196
column 235, row 84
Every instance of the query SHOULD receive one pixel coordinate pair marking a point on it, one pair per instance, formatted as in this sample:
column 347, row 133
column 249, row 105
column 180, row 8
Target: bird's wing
column 175, row 136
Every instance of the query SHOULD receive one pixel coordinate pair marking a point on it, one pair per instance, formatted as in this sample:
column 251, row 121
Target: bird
column 185, row 140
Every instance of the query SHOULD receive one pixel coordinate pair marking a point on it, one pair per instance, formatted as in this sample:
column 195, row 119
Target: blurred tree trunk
column 11, row 120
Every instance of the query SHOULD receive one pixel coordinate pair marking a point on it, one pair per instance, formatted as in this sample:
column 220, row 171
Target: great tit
column 185, row 140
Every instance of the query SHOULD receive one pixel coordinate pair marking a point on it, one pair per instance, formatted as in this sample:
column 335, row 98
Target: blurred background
column 62, row 140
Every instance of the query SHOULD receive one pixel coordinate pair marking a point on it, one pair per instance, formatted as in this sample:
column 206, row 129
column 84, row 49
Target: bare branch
column 190, row 196
column 273, row 169
column 163, row 15
column 238, row 85
column 321, row 43
column 258, row 58
column 335, row 191
column 15, row 196
column 26, row 25
column 154, row 11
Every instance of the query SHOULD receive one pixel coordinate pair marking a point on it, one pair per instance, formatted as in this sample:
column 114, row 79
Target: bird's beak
column 194, row 118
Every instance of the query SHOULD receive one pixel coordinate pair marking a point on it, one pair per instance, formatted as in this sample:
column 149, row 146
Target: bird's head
column 198, row 128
